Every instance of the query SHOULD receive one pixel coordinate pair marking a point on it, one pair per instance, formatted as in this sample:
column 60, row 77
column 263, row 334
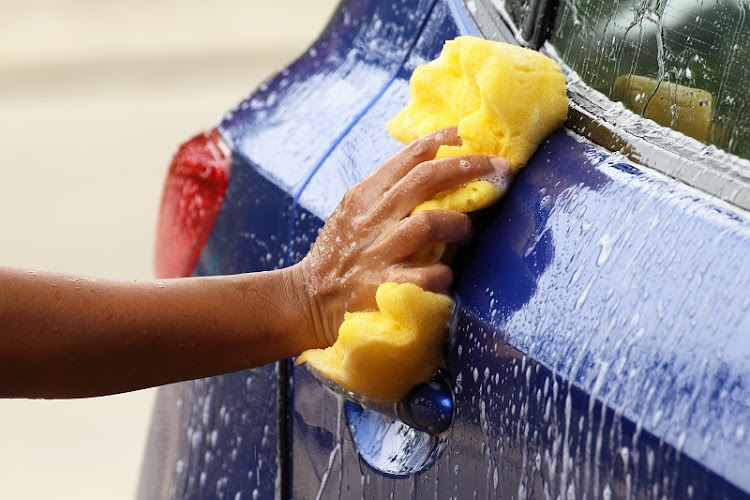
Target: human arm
column 65, row 336
column 69, row 336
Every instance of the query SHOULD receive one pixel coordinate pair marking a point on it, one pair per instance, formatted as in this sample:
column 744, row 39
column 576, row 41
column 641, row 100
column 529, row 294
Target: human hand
column 82, row 337
column 370, row 237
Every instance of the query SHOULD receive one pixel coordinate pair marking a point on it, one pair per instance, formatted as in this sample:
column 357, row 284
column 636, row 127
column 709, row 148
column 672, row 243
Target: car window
column 684, row 64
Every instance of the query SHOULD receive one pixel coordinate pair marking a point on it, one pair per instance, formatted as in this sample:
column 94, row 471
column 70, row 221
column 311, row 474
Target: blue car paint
column 279, row 135
column 291, row 123
column 220, row 436
column 601, row 347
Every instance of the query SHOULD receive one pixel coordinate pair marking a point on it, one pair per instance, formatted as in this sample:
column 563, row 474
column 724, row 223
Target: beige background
column 95, row 95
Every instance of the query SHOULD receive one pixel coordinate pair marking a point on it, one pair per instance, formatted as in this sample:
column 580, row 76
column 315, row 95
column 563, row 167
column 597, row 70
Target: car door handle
column 428, row 407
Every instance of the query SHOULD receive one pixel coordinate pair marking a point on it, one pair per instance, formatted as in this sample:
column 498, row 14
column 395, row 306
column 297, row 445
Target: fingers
column 429, row 178
column 435, row 278
column 419, row 151
column 424, row 229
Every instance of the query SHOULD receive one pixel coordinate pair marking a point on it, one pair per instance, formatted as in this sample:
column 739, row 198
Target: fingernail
column 500, row 164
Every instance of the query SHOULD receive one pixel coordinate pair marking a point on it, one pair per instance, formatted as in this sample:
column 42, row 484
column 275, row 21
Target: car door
column 600, row 345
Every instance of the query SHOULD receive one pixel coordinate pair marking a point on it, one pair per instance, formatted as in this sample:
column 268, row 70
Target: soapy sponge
column 382, row 354
column 505, row 101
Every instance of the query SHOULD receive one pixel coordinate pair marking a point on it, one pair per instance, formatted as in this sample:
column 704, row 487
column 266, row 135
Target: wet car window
column 682, row 63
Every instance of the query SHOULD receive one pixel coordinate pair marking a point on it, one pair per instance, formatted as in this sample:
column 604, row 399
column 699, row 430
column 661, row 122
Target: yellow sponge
column 382, row 354
column 505, row 101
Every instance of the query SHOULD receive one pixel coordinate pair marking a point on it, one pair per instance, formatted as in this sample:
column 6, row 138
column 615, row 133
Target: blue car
column 601, row 342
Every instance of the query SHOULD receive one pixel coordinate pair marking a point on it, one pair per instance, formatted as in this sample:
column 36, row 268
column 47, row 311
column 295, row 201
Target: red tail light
column 193, row 192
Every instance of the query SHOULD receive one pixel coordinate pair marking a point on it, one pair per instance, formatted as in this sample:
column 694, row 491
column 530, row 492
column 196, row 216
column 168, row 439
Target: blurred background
column 95, row 96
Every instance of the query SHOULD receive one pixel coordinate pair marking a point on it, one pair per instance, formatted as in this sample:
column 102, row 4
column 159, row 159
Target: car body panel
column 572, row 368
column 220, row 437
column 600, row 347
column 292, row 121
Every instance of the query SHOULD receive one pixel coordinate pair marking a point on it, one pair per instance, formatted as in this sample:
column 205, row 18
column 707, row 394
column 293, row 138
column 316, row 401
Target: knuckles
column 426, row 148
column 354, row 196
column 436, row 278
column 421, row 174
column 443, row 226
column 431, row 225
column 422, row 149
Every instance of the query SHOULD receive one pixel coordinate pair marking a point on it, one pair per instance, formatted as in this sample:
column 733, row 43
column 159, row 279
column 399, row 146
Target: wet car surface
column 600, row 347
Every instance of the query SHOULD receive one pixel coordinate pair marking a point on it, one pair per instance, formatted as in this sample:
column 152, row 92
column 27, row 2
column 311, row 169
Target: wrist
column 308, row 324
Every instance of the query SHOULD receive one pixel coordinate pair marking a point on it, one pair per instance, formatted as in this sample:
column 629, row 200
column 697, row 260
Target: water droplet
column 605, row 249
column 739, row 434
